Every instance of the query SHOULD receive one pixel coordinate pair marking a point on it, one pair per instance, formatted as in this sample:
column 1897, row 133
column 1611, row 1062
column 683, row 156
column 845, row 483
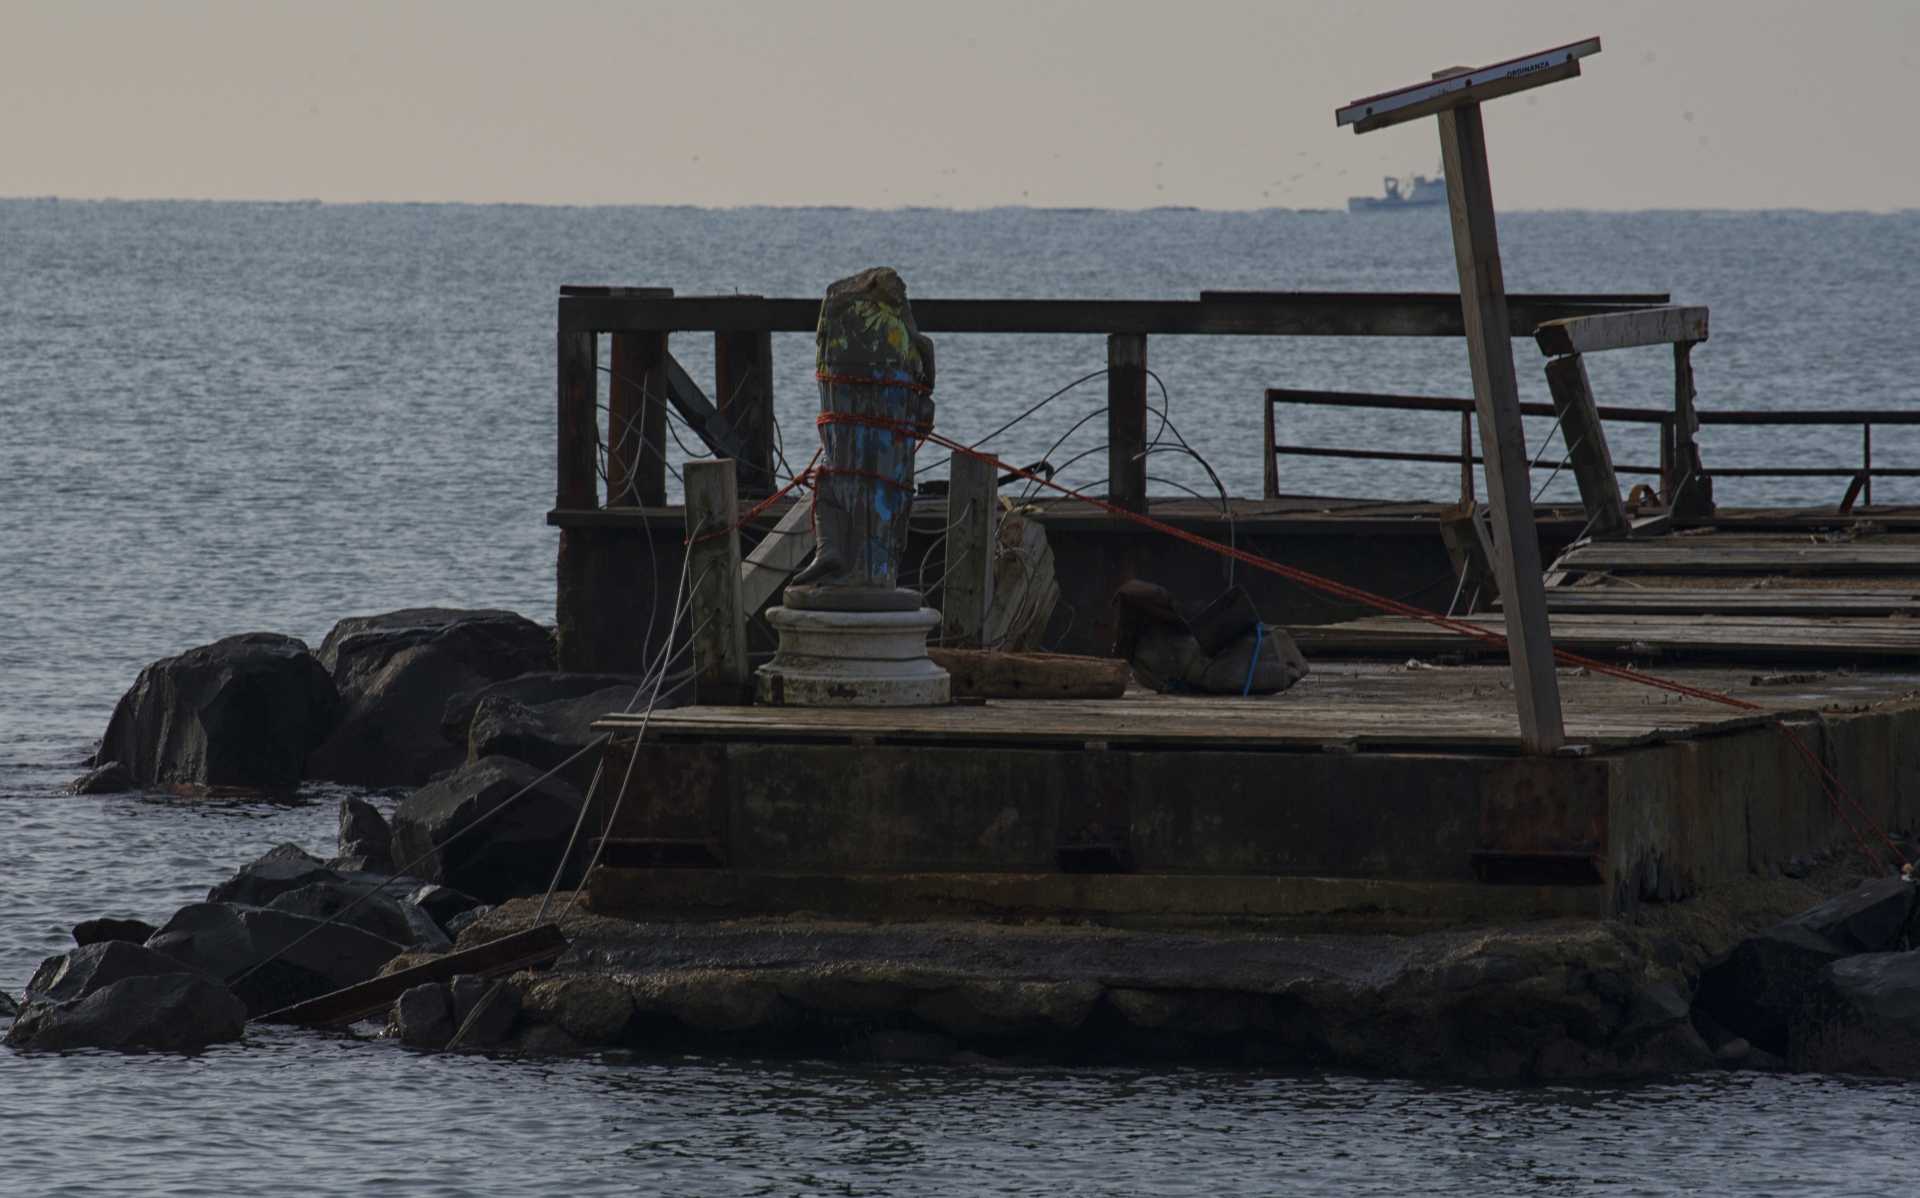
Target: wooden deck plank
column 1349, row 706
column 1699, row 555
column 1754, row 638
column 1723, row 601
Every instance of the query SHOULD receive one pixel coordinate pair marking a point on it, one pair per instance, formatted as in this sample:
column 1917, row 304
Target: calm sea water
column 223, row 417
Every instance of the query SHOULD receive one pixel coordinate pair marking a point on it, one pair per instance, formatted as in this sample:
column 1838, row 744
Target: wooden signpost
column 1454, row 96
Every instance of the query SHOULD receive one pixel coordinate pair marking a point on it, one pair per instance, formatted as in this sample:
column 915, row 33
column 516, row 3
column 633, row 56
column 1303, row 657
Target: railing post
column 575, row 484
column 1866, row 460
column 966, row 588
column 1693, row 489
column 1127, row 421
column 637, row 421
column 1270, row 472
column 713, row 572
column 1466, row 458
column 743, row 393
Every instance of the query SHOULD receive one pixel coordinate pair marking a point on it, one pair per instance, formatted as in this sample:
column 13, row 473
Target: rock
column 111, row 778
column 546, row 1040
column 1733, row 1053
column 174, row 1012
column 280, row 869
column 730, row 1001
column 364, row 833
column 513, row 853
column 395, row 673
column 444, row 905
column 1875, row 918
column 95, row 931
column 244, row 711
column 1862, row 1015
column 95, row 967
column 995, row 1009
column 589, row 1008
column 466, row 919
column 900, row 1044
column 423, row 1017
column 365, row 906
column 544, row 735
column 497, row 1005
column 8, row 1007
column 530, row 690
column 227, row 941
column 1754, row 989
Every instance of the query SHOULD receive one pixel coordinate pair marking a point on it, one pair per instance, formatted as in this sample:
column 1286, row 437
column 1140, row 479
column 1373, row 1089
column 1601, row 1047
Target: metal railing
column 1669, row 471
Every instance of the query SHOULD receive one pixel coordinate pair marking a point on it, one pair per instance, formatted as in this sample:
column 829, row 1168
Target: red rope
column 872, row 380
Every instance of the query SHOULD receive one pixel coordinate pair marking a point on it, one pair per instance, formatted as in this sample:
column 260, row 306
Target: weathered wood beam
column 1586, row 443
column 721, row 672
column 1691, row 492
column 1516, row 545
column 1622, row 330
column 743, row 391
column 1127, row 421
column 966, row 587
column 777, row 557
column 1460, row 86
column 707, row 422
column 637, row 420
column 1300, row 314
column 577, row 482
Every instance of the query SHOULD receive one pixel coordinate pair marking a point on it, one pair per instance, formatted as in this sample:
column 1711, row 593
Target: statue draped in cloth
column 876, row 389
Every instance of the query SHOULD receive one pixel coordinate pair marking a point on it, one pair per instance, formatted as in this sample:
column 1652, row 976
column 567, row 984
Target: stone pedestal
column 852, row 659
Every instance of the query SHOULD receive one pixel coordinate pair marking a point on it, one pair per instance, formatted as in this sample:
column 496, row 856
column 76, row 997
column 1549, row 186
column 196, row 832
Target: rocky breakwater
column 285, row 928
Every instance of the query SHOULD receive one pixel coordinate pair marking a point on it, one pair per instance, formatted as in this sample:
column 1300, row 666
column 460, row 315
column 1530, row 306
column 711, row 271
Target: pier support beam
column 743, row 392
column 637, row 421
column 966, row 587
column 1127, row 421
column 1503, row 442
column 1586, row 444
column 713, row 572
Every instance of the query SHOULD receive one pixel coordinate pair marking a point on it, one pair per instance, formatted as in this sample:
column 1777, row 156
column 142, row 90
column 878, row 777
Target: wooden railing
column 738, row 422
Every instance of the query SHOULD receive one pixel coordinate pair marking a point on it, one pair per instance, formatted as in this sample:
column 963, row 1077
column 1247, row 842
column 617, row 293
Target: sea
column 225, row 417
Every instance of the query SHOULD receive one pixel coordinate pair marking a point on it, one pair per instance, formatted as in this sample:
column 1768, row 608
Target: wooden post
column 1586, row 443
column 743, row 392
column 1466, row 458
column 1270, row 471
column 1692, row 489
column 713, row 572
column 973, row 500
column 1127, row 421
column 637, row 421
column 1503, row 445
column 575, row 482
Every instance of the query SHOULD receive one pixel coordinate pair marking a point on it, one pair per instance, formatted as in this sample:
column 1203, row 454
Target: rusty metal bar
column 1395, row 455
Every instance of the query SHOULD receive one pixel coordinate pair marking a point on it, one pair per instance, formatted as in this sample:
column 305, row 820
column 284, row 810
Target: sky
column 1121, row 104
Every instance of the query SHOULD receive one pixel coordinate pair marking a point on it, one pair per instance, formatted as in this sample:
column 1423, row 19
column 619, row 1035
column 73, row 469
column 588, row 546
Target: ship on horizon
column 1419, row 192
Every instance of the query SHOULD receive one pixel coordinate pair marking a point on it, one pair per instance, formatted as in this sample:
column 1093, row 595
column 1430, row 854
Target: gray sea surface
column 218, row 418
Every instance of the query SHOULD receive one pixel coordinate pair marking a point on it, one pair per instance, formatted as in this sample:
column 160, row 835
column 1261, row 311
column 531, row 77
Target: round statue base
column 852, row 659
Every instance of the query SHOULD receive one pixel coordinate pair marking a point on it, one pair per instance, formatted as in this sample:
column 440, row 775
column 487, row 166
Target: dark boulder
column 280, row 869
column 1754, row 989
column 510, row 852
column 444, row 904
column 244, row 711
column 466, row 919
column 96, row 931
column 1861, row 1015
column 269, row 958
column 174, row 1012
column 95, row 967
column 1875, row 918
column 395, row 673
column 546, row 734
column 531, row 690
column 364, row 834
column 485, row 1010
column 422, row 1017
column 8, row 1007
column 365, row 905
column 108, row 779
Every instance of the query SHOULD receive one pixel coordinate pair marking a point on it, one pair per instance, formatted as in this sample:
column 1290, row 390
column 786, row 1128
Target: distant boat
column 1421, row 192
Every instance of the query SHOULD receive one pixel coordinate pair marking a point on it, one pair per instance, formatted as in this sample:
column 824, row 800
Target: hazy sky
column 1128, row 103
